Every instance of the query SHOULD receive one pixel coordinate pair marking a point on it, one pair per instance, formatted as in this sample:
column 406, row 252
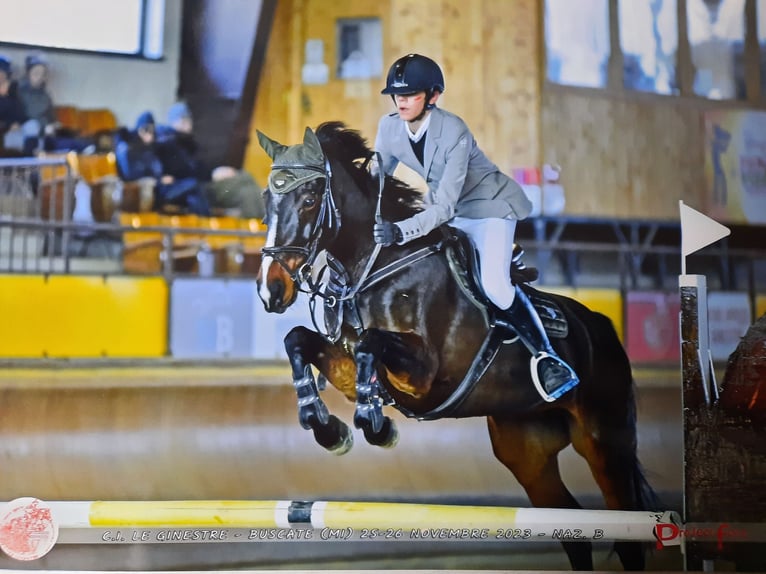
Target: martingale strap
column 481, row 362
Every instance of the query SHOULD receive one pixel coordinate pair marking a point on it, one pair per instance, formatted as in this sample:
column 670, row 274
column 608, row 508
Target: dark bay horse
column 401, row 331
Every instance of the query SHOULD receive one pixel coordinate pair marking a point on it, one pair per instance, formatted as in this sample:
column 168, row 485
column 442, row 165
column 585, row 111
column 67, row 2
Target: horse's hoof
column 335, row 436
column 388, row 437
column 345, row 442
column 393, row 436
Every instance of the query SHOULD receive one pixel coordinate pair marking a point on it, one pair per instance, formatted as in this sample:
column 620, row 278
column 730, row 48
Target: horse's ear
column 272, row 147
column 311, row 141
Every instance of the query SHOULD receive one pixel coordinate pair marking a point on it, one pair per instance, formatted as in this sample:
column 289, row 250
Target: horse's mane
column 348, row 146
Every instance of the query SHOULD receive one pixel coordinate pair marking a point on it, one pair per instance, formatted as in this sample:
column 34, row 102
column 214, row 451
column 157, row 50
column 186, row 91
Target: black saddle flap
column 464, row 264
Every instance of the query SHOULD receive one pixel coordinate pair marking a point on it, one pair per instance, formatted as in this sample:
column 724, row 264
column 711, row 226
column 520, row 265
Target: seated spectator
column 137, row 158
column 226, row 187
column 11, row 110
column 41, row 125
column 34, row 96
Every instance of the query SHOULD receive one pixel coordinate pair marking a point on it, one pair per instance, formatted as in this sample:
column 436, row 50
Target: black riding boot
column 551, row 374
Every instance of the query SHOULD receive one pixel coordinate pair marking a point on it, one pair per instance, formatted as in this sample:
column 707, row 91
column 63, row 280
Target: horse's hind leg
column 608, row 443
column 378, row 429
column 304, row 348
column 407, row 364
column 529, row 448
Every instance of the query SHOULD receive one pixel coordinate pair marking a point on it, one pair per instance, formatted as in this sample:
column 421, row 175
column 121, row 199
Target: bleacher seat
column 68, row 117
column 93, row 167
column 94, row 121
column 252, row 245
column 56, row 193
column 141, row 249
column 86, row 122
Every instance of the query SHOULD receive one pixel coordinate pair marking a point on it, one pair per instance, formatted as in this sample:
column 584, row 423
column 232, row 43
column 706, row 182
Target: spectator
column 226, row 187
column 137, row 158
column 11, row 110
column 34, row 96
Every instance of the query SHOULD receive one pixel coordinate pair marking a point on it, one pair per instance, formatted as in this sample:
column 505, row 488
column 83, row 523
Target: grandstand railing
column 38, row 235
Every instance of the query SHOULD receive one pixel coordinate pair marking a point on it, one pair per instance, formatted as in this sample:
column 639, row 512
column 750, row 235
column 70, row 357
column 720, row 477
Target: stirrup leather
column 550, row 397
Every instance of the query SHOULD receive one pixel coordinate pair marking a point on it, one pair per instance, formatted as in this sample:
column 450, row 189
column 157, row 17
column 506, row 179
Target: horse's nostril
column 276, row 292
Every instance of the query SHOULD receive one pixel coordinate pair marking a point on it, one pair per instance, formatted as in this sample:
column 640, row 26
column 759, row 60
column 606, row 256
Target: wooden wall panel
column 512, row 67
column 275, row 86
column 624, row 158
column 622, row 154
column 489, row 51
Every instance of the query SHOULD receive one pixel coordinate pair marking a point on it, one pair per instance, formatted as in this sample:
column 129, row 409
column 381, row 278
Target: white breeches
column 493, row 239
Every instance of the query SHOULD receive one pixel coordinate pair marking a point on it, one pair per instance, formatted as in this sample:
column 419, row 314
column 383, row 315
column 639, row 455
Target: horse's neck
column 353, row 250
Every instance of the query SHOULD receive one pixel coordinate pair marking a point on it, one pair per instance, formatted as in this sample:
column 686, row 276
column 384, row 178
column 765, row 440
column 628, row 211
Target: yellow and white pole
column 120, row 522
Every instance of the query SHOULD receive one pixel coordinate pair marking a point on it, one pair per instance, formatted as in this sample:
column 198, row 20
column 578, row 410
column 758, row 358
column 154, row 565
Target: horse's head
column 311, row 187
column 299, row 206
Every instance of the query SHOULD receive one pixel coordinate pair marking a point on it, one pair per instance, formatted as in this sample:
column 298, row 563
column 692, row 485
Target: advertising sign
column 652, row 327
column 735, row 165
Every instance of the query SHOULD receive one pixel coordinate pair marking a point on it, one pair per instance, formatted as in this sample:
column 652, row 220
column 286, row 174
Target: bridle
column 329, row 218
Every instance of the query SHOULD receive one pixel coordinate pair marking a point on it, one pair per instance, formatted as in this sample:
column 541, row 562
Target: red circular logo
column 27, row 529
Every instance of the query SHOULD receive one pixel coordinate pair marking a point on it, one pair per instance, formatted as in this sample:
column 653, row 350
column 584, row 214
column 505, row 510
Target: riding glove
column 386, row 233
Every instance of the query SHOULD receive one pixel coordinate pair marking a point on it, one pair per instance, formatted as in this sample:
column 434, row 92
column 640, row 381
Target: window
column 649, row 42
column 717, row 42
column 360, row 48
column 131, row 27
column 577, row 38
column 649, row 55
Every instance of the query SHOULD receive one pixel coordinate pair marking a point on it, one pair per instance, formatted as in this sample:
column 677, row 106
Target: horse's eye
column 309, row 201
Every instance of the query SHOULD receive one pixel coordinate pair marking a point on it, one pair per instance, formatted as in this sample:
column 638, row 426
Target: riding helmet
column 414, row 73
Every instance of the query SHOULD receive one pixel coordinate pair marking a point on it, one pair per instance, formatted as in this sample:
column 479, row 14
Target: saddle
column 464, row 264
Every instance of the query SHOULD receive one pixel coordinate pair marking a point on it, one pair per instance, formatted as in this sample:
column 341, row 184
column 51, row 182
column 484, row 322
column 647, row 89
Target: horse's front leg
column 304, row 348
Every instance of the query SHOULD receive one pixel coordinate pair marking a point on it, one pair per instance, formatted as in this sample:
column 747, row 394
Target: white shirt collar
column 421, row 130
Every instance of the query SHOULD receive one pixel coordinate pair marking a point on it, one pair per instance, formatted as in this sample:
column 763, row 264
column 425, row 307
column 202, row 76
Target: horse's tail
column 626, row 422
column 644, row 495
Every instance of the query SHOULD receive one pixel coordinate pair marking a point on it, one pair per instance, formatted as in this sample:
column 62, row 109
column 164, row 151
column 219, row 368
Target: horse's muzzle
column 276, row 288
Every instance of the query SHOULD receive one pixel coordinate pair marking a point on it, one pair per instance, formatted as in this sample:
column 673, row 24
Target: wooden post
column 724, row 441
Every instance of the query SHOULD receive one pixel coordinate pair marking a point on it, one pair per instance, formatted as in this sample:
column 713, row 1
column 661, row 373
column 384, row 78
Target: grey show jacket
column 461, row 180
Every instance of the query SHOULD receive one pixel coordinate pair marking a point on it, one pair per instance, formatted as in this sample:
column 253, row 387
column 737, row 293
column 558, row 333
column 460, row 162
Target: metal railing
column 38, row 233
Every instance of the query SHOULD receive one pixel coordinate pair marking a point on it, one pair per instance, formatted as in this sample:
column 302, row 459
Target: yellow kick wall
column 82, row 317
column 760, row 306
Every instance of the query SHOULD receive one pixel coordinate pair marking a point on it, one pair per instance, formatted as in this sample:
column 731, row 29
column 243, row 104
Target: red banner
column 652, row 327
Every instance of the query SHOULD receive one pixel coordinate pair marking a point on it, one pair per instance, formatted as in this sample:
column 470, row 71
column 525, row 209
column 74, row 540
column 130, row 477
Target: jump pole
column 121, row 522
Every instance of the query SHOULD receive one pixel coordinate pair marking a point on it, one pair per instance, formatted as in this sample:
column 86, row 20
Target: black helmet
column 414, row 73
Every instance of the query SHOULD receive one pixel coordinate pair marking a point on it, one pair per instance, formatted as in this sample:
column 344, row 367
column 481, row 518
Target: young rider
column 466, row 190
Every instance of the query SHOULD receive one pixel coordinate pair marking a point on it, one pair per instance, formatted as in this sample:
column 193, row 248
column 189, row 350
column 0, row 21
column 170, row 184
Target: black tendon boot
column 551, row 374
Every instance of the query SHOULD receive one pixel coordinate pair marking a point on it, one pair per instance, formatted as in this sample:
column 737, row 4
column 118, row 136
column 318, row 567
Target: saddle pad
column 552, row 317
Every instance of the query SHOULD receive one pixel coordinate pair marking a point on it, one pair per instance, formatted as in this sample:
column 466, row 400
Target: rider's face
column 410, row 106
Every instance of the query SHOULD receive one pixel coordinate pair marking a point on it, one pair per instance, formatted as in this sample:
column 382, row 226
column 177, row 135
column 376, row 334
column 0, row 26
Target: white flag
column 698, row 230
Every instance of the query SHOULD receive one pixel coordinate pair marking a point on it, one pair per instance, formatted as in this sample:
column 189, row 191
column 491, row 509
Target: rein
column 330, row 218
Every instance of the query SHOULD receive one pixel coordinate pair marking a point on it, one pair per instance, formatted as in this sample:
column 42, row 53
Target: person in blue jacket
column 137, row 158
